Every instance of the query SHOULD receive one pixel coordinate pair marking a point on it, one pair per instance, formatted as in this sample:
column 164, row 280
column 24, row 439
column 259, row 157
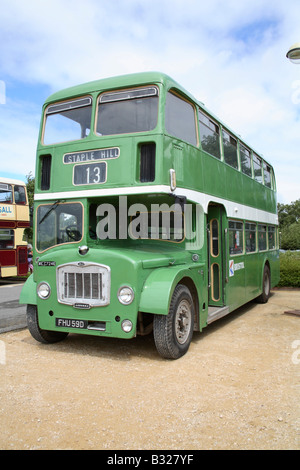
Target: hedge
column 289, row 269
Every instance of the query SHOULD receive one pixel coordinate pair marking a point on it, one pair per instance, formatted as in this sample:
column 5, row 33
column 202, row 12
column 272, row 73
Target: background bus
column 14, row 218
column 113, row 157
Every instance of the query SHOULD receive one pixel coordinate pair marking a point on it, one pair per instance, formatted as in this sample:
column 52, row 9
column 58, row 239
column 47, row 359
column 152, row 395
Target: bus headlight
column 43, row 290
column 125, row 295
column 126, row 326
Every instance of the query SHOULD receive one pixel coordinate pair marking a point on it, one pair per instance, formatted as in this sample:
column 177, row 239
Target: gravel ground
column 236, row 388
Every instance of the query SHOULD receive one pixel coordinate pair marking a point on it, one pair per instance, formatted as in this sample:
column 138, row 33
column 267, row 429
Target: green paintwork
column 28, row 293
column 151, row 268
column 160, row 284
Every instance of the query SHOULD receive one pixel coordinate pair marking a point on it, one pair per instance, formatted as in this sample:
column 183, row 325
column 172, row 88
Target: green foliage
column 290, row 237
column 30, row 189
column 289, row 225
column 28, row 232
column 289, row 269
column 288, row 213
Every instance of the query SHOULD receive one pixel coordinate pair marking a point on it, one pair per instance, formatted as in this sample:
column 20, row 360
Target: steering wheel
column 73, row 232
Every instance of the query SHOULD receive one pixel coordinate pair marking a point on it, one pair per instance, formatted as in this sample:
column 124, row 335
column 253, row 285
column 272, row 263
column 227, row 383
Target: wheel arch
column 189, row 283
column 268, row 264
column 28, row 294
column 159, row 287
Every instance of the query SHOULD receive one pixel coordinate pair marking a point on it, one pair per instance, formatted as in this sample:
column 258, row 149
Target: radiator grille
column 87, row 283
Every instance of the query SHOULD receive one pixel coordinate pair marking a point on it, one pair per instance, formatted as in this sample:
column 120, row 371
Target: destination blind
column 93, row 155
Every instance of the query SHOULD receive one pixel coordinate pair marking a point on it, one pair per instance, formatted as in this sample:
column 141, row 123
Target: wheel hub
column 183, row 321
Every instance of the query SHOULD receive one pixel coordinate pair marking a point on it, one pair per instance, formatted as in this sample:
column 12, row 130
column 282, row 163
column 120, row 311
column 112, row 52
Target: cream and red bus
column 14, row 218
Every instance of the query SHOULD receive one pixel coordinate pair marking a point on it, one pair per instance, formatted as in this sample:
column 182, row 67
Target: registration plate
column 69, row 323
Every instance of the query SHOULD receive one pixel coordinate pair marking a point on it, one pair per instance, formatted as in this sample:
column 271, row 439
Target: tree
column 288, row 213
column 30, row 194
column 289, row 225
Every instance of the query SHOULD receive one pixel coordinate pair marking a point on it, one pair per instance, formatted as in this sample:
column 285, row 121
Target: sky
column 229, row 55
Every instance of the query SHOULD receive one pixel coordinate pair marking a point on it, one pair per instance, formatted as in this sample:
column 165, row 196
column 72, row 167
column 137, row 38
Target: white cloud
column 230, row 55
column 19, row 125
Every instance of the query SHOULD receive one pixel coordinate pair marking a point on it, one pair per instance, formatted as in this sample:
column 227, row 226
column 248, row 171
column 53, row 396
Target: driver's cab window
column 58, row 223
column 68, row 224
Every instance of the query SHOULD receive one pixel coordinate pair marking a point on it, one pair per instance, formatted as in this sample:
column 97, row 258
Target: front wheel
column 43, row 336
column 266, row 286
column 173, row 332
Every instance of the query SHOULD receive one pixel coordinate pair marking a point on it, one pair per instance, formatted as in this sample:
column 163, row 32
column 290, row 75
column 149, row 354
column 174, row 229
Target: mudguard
column 28, row 293
column 158, row 289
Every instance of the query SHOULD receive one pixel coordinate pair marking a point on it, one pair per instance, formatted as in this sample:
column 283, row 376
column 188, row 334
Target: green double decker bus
column 150, row 216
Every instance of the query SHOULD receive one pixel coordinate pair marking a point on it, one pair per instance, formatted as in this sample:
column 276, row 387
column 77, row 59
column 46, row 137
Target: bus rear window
column 123, row 112
column 68, row 120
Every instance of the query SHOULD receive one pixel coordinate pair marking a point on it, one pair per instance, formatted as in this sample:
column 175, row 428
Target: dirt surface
column 237, row 388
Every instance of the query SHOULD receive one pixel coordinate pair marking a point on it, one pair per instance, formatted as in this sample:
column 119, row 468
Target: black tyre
column 173, row 332
column 43, row 336
column 266, row 286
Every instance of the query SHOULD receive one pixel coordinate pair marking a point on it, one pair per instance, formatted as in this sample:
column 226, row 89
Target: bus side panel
column 273, row 258
column 8, row 257
column 236, row 293
column 252, row 276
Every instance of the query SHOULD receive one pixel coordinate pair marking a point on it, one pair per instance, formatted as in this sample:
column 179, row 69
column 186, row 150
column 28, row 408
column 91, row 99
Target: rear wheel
column 266, row 286
column 173, row 332
column 43, row 336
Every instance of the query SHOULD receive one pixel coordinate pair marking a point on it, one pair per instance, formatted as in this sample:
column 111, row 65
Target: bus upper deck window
column 180, row 118
column 245, row 160
column 68, row 120
column 5, row 193
column 257, row 168
column 122, row 112
column 210, row 136
column 267, row 175
column 230, row 150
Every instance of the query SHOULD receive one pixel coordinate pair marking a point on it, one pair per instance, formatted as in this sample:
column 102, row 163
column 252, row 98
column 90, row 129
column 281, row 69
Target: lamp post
column 293, row 54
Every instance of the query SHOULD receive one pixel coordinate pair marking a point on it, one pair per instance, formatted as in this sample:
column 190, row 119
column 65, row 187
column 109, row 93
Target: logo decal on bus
column 6, row 210
column 234, row 267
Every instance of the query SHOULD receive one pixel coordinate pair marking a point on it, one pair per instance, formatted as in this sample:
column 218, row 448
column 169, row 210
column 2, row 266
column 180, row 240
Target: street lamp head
column 293, row 54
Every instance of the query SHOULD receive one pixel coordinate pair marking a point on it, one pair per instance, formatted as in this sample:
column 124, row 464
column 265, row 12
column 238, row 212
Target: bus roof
column 137, row 79
column 12, row 181
column 120, row 81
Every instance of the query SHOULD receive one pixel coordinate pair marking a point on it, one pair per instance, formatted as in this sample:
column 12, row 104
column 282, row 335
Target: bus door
column 215, row 255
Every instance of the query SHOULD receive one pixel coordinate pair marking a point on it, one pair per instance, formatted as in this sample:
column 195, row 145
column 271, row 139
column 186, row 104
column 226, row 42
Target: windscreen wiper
column 54, row 205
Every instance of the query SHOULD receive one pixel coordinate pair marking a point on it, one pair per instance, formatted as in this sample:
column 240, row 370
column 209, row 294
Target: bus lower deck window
column 235, row 237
